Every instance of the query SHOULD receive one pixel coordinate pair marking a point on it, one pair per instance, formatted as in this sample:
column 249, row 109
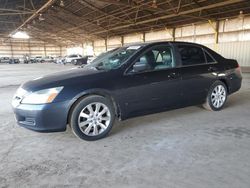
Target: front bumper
column 43, row 117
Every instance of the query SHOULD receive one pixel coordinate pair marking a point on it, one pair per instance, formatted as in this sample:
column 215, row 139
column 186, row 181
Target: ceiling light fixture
column 20, row 35
column 154, row 4
column 61, row 3
column 41, row 18
column 241, row 15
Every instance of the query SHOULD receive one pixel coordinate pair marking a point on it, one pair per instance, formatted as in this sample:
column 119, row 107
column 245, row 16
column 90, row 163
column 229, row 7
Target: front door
column 152, row 83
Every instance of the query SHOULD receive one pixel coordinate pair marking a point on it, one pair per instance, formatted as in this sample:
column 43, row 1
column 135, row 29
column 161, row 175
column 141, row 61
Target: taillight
column 238, row 69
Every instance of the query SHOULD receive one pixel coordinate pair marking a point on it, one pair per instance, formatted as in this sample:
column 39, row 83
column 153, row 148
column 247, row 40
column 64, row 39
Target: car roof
column 149, row 44
column 161, row 42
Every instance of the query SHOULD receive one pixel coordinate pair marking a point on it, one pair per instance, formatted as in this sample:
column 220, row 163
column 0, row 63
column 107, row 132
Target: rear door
column 198, row 70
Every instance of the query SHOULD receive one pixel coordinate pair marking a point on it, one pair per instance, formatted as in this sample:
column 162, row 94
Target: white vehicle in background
column 71, row 58
column 90, row 59
column 60, row 60
column 4, row 60
column 47, row 59
column 38, row 59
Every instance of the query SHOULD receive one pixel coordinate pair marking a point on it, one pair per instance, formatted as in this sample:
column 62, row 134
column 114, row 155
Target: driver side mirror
column 138, row 67
column 141, row 65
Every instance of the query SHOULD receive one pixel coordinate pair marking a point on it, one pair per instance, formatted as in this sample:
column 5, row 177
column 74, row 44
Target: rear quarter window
column 209, row 58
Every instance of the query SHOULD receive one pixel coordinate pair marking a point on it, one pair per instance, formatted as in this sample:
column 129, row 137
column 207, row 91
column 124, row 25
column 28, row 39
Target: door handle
column 213, row 69
column 172, row 75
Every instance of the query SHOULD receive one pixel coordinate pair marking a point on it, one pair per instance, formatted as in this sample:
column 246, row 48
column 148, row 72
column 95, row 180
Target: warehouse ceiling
column 74, row 21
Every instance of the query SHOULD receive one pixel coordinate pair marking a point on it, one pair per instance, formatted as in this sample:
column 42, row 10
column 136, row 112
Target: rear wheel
column 217, row 96
column 92, row 117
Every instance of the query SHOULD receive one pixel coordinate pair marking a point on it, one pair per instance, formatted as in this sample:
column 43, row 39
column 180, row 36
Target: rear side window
column 191, row 55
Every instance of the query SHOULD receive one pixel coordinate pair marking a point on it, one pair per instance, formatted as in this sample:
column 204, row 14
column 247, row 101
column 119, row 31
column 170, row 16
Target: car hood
column 64, row 78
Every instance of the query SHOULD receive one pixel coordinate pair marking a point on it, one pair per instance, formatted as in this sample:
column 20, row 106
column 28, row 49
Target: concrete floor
column 189, row 147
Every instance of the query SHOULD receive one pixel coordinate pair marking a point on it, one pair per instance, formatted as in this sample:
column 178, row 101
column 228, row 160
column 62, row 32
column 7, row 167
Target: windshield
column 114, row 58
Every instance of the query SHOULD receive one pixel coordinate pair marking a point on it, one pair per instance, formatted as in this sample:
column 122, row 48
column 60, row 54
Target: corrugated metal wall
column 133, row 38
column 234, row 50
column 233, row 38
column 18, row 48
column 159, row 35
column 114, row 42
column 99, row 46
column 234, row 41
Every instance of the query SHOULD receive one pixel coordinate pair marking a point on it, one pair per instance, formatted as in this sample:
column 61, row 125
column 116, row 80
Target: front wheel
column 216, row 97
column 92, row 117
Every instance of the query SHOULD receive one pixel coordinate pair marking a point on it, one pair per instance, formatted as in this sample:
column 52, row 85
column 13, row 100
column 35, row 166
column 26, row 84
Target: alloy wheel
column 218, row 96
column 94, row 119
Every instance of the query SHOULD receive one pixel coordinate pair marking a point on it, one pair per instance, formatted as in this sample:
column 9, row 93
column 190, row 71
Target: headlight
column 42, row 96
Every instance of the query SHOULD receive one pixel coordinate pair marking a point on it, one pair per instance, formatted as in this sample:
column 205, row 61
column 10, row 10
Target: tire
column 92, row 126
column 217, row 92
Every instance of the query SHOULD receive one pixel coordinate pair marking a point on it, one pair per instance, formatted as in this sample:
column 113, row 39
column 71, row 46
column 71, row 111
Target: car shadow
column 156, row 119
column 234, row 101
column 238, row 99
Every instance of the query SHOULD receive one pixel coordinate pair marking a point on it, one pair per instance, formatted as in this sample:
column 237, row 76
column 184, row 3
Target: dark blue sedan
column 126, row 82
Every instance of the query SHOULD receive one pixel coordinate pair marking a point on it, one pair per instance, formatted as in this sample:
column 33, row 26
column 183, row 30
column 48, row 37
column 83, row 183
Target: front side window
column 191, row 55
column 155, row 59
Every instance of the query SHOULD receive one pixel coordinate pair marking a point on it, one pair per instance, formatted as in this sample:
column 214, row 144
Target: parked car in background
column 70, row 58
column 32, row 60
column 38, row 59
column 59, row 60
column 27, row 59
column 9, row 60
column 90, row 58
column 47, row 59
column 14, row 61
column 4, row 60
column 80, row 61
column 126, row 82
